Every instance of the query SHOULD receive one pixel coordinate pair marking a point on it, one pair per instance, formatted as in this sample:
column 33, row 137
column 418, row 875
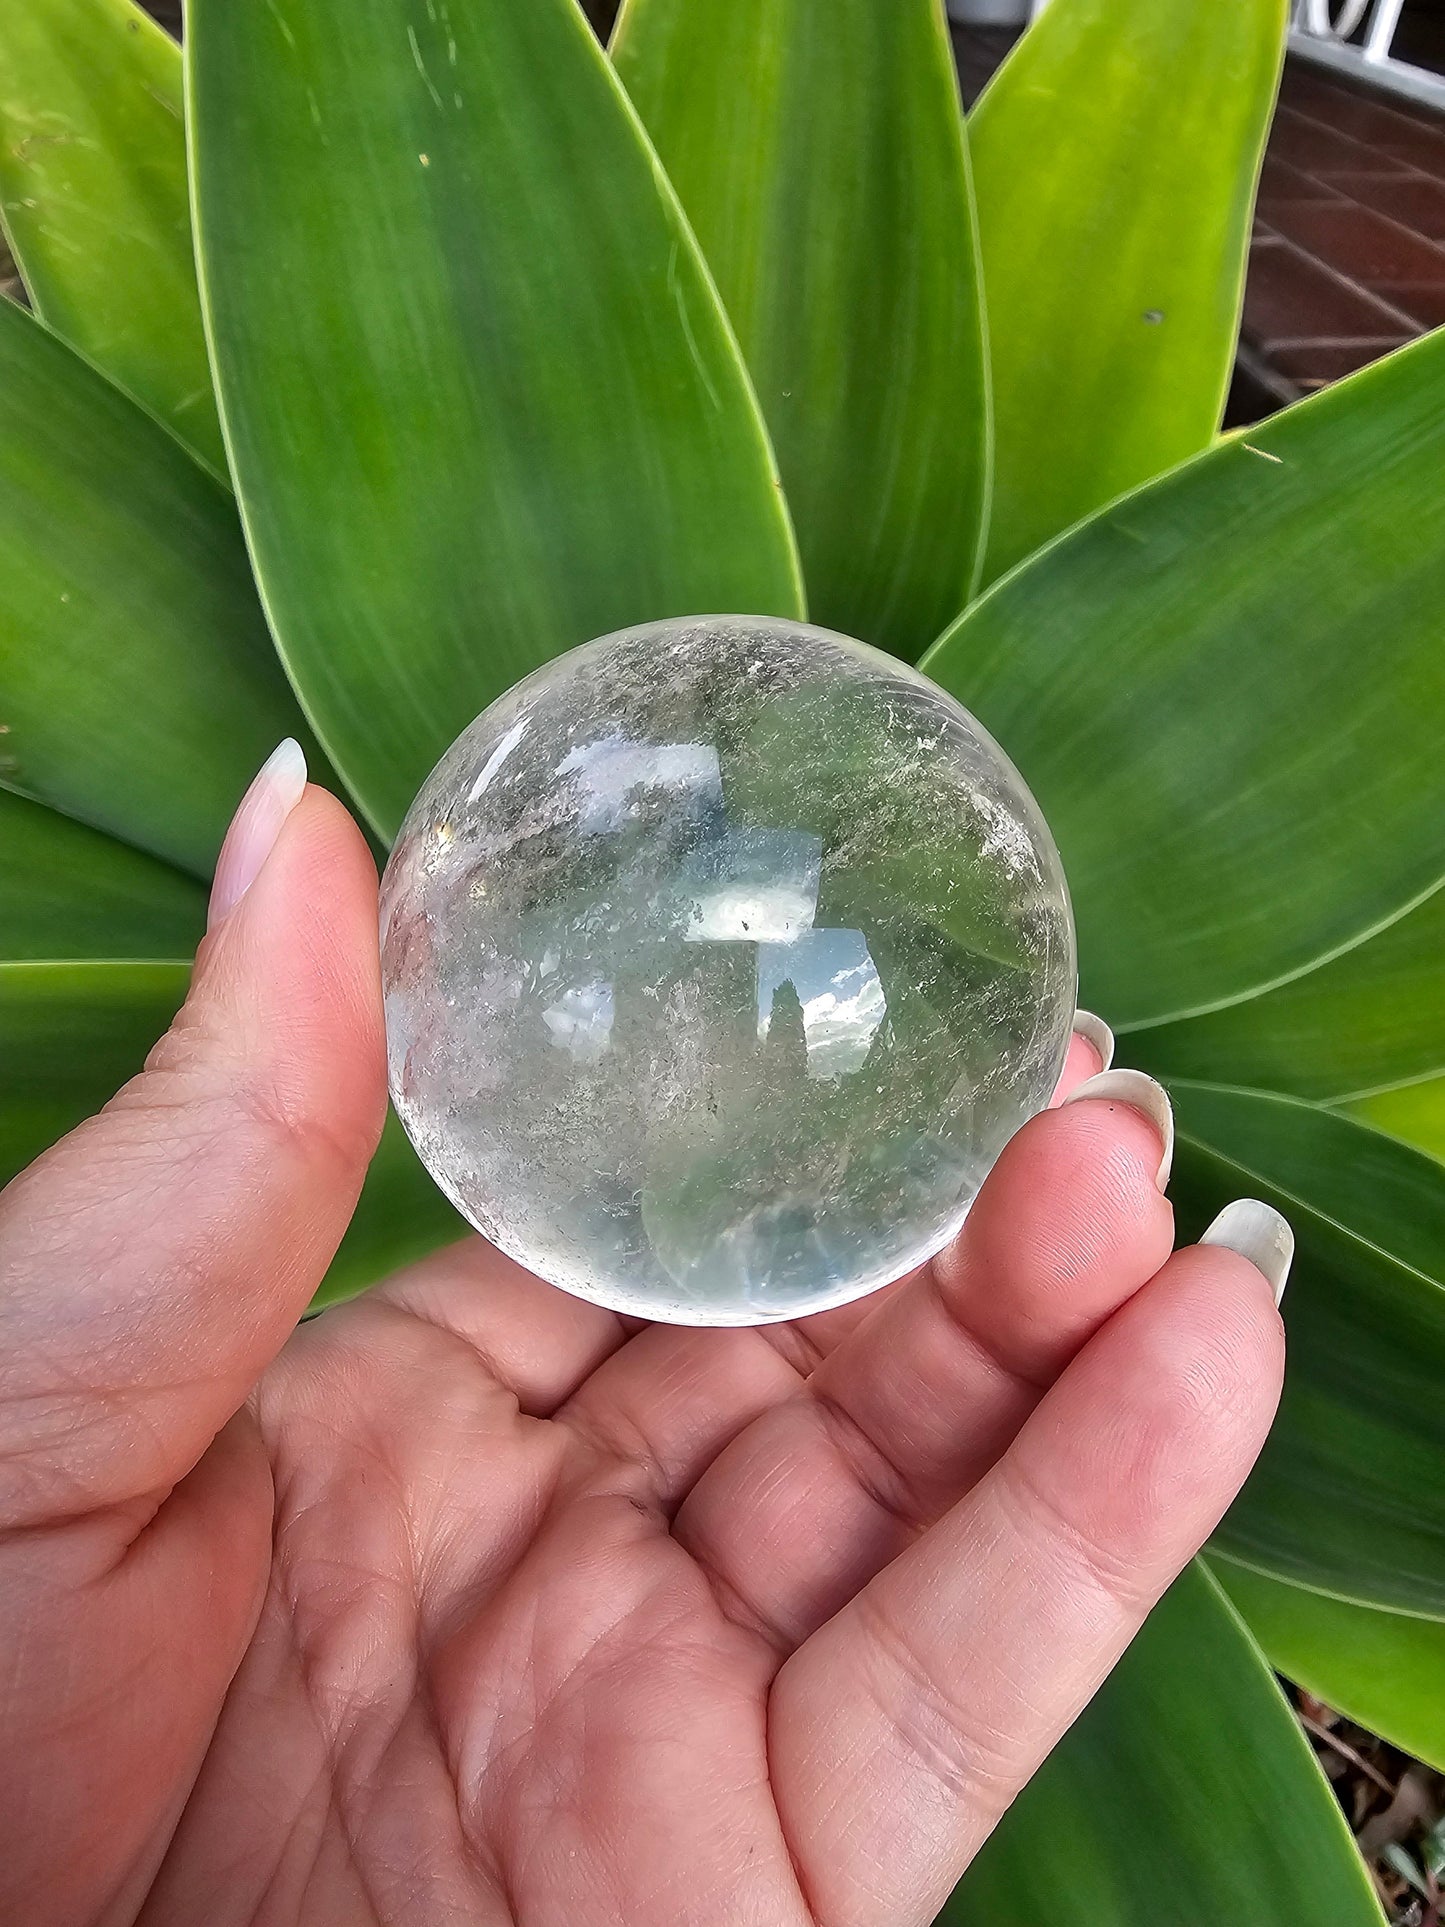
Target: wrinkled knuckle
column 989, row 1350
column 868, row 1464
column 199, row 1084
column 616, row 1460
column 303, row 1132
column 795, row 1345
column 933, row 1728
column 1116, row 1573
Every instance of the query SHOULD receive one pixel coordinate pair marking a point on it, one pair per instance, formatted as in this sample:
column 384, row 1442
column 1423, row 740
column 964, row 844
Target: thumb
column 153, row 1262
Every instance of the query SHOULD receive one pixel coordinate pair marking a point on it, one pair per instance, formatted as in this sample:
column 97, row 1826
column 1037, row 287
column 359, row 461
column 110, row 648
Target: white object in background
column 990, row 13
column 1321, row 32
column 1320, row 18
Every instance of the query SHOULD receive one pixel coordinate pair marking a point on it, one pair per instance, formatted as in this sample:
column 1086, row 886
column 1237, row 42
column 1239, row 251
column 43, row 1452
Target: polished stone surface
column 722, row 957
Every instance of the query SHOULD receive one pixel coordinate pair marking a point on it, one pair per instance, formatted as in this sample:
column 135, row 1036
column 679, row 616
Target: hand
column 473, row 1603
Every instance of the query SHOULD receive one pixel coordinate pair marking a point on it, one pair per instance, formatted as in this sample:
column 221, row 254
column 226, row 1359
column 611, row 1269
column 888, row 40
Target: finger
column 903, row 1729
column 667, row 1401
column 154, row 1261
column 680, row 1440
column 1091, row 1050
column 538, row 1342
column 903, row 1415
column 671, row 1400
column 663, row 1405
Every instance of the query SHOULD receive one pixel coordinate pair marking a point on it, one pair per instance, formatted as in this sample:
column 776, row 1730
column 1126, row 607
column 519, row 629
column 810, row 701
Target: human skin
column 473, row 1603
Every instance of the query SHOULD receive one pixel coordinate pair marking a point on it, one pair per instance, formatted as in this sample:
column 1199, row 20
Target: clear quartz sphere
column 722, row 956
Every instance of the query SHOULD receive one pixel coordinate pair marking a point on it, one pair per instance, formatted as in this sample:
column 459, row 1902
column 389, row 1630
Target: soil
column 1395, row 1806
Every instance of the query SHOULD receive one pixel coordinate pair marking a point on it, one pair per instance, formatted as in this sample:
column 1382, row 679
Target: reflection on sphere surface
column 722, row 957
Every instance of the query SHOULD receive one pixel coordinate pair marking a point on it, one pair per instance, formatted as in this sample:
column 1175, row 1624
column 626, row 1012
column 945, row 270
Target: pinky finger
column 903, row 1729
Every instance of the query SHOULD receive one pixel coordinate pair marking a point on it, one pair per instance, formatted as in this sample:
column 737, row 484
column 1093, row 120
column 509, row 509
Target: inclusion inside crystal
column 721, row 958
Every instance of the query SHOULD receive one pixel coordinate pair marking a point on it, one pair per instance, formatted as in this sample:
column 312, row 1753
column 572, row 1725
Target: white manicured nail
column 1141, row 1094
column 263, row 811
column 1097, row 1035
column 1257, row 1232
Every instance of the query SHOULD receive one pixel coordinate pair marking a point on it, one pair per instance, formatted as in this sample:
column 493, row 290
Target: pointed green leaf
column 1384, row 1670
column 93, row 197
column 1416, row 1113
column 1185, row 1795
column 1225, row 692
column 400, row 1217
column 139, row 690
column 1347, row 1496
column 67, row 891
column 1115, row 157
column 70, row 1036
column 1372, row 1016
column 481, row 399
column 818, row 148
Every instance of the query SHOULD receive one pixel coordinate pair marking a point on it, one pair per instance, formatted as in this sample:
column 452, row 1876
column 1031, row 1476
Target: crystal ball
column 722, row 957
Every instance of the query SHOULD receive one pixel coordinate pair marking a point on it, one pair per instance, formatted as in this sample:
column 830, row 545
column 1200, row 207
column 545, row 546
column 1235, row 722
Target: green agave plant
column 486, row 343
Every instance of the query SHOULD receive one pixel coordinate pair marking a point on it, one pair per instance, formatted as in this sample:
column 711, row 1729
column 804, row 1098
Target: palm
column 471, row 1603
column 510, row 1691
column 535, row 1576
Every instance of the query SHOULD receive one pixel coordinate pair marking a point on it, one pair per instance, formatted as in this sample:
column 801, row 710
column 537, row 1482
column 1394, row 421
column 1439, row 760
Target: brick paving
column 1347, row 259
column 1348, row 255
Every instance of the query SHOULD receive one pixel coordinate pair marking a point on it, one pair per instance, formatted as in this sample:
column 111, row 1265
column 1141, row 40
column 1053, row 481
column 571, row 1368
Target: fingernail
column 1257, row 1232
column 1097, row 1035
column 274, row 793
column 1141, row 1094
